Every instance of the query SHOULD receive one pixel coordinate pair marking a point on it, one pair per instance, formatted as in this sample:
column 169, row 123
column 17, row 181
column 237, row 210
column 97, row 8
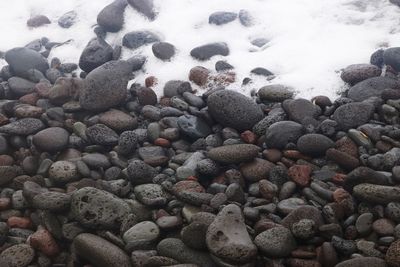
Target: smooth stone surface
column 105, row 86
column 275, row 93
column 276, row 242
column 144, row 231
column 207, row 51
column 137, row 39
column 118, row 120
column 242, row 113
column 163, row 50
column 100, row 252
column 279, row 134
column 362, row 262
column 96, row 53
column 231, row 154
column 314, row 144
column 53, row 201
column 95, row 208
column 372, row 87
column 111, row 17
column 22, row 59
column 222, row 17
column 300, row 109
column 146, row 7
column 52, row 139
column 227, row 237
column 20, row 86
column 193, row 127
column 352, row 115
column 256, row 170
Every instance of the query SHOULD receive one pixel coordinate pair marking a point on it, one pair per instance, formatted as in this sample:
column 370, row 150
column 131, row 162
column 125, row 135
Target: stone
column 256, row 170
column 146, row 7
column 245, row 18
column 25, row 126
column 380, row 194
column 96, row 53
column 95, row 208
column 118, row 120
column 207, row 51
column 146, row 232
column 199, row 75
column 54, row 139
column 222, row 17
column 136, row 39
column 314, row 144
column 53, row 201
column 232, row 154
column 19, row 255
column 364, row 223
column 300, row 109
column 275, row 93
column 37, row 21
column 279, row 134
column 62, row 172
column 7, row 174
column 362, row 261
column 241, row 114
column 100, row 252
column 105, row 86
column 163, row 50
column 140, row 173
column 21, row 60
column 303, row 212
column 371, row 87
column 43, row 241
column 300, row 174
column 352, row 115
column 355, row 73
column 102, row 135
column 176, row 87
column 150, row 194
column 227, row 237
column 68, row 19
column 276, row 242
column 193, row 127
column 111, row 17
column 20, row 86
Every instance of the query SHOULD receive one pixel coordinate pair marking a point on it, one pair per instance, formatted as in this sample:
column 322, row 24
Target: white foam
column 311, row 40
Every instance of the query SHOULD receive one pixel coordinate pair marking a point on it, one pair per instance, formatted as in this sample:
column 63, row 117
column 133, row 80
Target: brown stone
column 199, row 75
column 256, row 170
column 346, row 145
column 273, row 155
column 6, row 160
column 29, row 99
column 343, row 159
column 293, row 262
column 162, row 142
column 249, row 137
column 43, row 241
column 295, row 154
column 187, row 185
column 393, row 254
column 5, row 203
column 43, row 89
column 19, row 222
column 151, row 81
column 300, row 174
column 268, row 190
column 383, row 227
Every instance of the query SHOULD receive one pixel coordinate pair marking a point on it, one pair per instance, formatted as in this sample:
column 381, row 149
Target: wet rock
column 95, row 208
column 352, row 115
column 38, row 21
column 163, row 50
column 146, row 232
column 105, row 86
column 222, row 17
column 275, row 93
column 205, row 52
column 241, row 114
column 146, row 7
column 53, row 201
column 358, row 72
column 68, row 19
column 303, row 212
column 276, row 242
column 137, row 39
column 22, row 59
column 371, row 87
column 300, row 109
column 245, row 18
column 227, row 237
column 199, row 75
column 111, row 17
column 100, row 252
column 43, row 241
column 150, row 194
column 231, row 154
column 256, row 170
column 279, row 134
column 20, row 86
column 52, row 139
column 96, row 53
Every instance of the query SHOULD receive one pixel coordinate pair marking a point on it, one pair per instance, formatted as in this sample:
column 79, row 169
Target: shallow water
column 310, row 40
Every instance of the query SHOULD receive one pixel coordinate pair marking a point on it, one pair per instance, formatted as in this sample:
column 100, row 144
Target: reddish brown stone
column 146, row 96
column 303, row 254
column 383, row 227
column 6, row 160
column 295, row 154
column 287, row 162
column 28, row 111
column 30, row 99
column 346, row 145
column 187, row 185
column 224, row 78
column 338, row 178
column 340, row 195
column 157, row 161
column 273, row 155
column 162, row 142
column 199, row 75
column 343, row 159
column 5, row 203
column 220, row 179
column 3, row 119
column 300, row 174
column 249, row 137
column 263, row 225
column 43, row 241
column 19, row 222
column 303, row 263
column 268, row 190
column 165, row 101
column 151, row 81
column 327, row 255
column 43, row 89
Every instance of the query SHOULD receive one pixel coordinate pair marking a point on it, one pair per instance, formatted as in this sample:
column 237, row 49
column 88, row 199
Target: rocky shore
column 94, row 172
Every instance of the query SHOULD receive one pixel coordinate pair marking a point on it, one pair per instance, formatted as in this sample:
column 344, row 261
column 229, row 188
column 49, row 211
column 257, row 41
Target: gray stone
column 352, row 115
column 140, row 173
column 20, row 255
column 275, row 93
column 102, row 135
column 314, row 144
column 163, row 50
column 380, row 194
column 68, row 19
column 222, row 17
column 193, row 127
column 20, row 86
column 359, row 72
column 136, row 39
column 232, row 154
column 150, row 194
column 22, row 59
column 205, row 52
column 62, row 172
column 96, row 53
column 26, row 126
column 371, row 87
column 146, row 7
column 362, row 262
column 111, row 17
column 276, row 242
column 54, row 139
column 146, row 232
column 280, row 133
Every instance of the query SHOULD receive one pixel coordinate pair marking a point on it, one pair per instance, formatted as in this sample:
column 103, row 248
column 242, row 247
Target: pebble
column 136, row 39
column 100, row 252
column 377, row 193
column 96, row 53
column 146, row 7
column 383, row 227
column 371, row 87
column 102, row 135
column 118, row 120
column 111, row 17
column 68, row 19
column 241, row 114
column 364, row 223
column 279, row 134
column 231, row 154
column 19, row 255
column 256, row 170
column 43, row 241
column 25, row 126
column 207, row 51
column 52, row 139
column 193, row 127
column 276, row 242
column 393, row 254
column 222, row 17
column 303, row 212
column 275, row 93
column 353, row 115
column 150, row 194
column 358, row 72
column 163, row 50
column 300, row 109
column 363, row 261
column 314, row 144
column 140, row 173
column 62, row 172
column 53, row 201
column 146, row 232
column 300, row 174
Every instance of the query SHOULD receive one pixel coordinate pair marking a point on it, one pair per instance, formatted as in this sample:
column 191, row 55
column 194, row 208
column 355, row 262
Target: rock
column 364, row 223
column 276, row 242
column 38, row 21
column 96, row 53
column 193, row 127
column 279, row 134
column 256, row 170
column 199, row 75
column 52, row 139
column 362, row 261
column 383, row 227
column 7, row 174
column 314, row 144
column 352, row 115
column 111, row 17
column 20, row 86
column 275, row 115
column 22, row 59
column 288, row 205
column 96, row 160
column 393, row 254
column 300, row 174
column 95, row 208
column 205, row 52
column 26, row 126
column 222, row 65
column 176, row 87
column 231, row 154
column 261, row 71
column 343, row 159
column 303, row 212
column 359, row 72
column 227, row 237
column 391, row 57
column 136, row 39
column 68, row 19
column 20, row 255
column 163, row 50
column 372, row 87
column 146, row 7
column 300, row 109
column 194, row 235
column 245, row 18
column 100, row 252
column 146, row 232
column 118, row 120
column 304, row 229
column 174, row 248
column 275, row 93
column 150, row 194
column 105, row 86
column 43, row 241
column 53, row 201
column 381, row 194
column 102, row 135
column 62, row 172
column 140, row 172
column 241, row 113
column 127, row 142
column 222, row 17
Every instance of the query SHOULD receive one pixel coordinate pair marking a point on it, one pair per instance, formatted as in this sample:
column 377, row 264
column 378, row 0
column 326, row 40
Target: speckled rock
column 352, row 115
column 276, row 242
column 20, row 255
column 207, row 51
column 231, row 154
column 355, row 73
column 24, row 126
column 279, row 134
column 96, row 53
column 371, row 87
